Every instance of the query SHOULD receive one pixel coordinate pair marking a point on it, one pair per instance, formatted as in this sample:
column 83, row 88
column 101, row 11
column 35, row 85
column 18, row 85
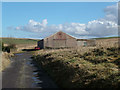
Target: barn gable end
column 60, row 40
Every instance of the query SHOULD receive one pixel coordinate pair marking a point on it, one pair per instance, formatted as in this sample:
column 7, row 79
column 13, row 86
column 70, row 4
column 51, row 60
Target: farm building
column 86, row 42
column 63, row 40
column 58, row 40
column 40, row 44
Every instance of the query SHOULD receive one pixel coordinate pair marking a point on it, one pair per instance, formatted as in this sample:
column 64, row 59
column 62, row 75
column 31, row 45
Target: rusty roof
column 59, row 32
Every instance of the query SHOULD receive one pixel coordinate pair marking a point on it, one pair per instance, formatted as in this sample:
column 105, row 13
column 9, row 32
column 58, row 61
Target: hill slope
column 18, row 41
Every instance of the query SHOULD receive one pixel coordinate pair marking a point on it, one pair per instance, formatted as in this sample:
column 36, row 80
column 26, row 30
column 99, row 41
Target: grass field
column 18, row 41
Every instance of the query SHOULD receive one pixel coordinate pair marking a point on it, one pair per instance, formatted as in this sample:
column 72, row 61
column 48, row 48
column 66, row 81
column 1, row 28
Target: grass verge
column 96, row 68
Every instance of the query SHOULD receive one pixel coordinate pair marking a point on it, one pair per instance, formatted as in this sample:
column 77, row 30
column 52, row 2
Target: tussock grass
column 85, row 67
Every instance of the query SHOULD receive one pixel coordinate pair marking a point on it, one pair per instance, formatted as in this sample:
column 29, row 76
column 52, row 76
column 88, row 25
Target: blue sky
column 19, row 14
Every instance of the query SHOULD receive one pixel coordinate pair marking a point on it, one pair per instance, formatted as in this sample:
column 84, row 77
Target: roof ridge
column 58, row 32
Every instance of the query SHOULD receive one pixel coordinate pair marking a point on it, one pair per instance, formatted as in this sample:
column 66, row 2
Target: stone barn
column 58, row 40
column 63, row 40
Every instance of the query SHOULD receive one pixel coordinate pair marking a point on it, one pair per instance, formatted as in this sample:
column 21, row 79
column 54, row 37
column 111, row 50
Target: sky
column 41, row 19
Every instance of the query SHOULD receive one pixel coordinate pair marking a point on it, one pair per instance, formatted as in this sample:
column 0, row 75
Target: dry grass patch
column 5, row 60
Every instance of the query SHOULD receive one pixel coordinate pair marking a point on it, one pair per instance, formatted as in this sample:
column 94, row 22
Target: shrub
column 12, row 46
column 7, row 48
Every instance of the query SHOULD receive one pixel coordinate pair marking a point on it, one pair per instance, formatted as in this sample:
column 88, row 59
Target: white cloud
column 33, row 26
column 44, row 22
column 105, row 26
column 111, row 12
column 102, row 28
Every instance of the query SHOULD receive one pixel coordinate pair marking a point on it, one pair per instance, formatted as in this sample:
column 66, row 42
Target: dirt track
column 23, row 74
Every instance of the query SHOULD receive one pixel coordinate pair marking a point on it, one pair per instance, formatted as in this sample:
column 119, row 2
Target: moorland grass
column 95, row 68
